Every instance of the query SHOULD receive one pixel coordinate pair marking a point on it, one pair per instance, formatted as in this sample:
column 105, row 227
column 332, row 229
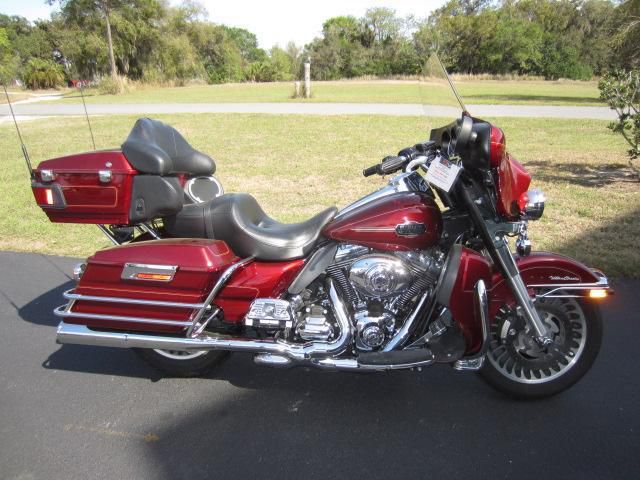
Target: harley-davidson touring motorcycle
column 418, row 273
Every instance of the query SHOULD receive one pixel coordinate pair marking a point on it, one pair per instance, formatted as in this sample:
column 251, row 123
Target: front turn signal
column 597, row 293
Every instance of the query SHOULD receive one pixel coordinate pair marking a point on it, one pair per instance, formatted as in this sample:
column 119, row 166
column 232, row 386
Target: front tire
column 516, row 365
column 182, row 363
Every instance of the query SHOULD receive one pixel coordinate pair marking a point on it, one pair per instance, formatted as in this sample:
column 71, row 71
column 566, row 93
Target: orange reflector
column 597, row 293
column 161, row 277
column 48, row 194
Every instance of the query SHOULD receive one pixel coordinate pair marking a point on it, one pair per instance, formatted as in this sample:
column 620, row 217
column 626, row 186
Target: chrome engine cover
column 272, row 313
column 372, row 331
column 380, row 275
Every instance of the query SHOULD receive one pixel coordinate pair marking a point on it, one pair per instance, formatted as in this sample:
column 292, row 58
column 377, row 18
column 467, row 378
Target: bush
column 111, row 86
column 621, row 90
column 42, row 74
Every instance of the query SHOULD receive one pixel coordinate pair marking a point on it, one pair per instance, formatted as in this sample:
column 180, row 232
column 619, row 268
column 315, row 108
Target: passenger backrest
column 155, row 148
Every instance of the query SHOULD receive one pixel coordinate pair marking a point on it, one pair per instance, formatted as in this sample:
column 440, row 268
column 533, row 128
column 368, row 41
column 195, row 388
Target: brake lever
column 420, row 161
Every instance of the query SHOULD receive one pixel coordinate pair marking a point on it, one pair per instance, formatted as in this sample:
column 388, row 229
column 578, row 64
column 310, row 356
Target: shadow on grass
column 546, row 99
column 594, row 176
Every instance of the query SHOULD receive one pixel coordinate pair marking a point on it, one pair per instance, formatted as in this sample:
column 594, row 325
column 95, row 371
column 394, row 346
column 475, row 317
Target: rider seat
column 239, row 220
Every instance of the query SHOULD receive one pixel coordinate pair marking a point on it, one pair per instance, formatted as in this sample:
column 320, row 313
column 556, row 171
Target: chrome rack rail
column 199, row 319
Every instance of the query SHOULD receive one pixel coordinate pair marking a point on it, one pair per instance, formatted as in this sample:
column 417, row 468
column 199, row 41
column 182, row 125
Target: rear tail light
column 51, row 197
column 498, row 148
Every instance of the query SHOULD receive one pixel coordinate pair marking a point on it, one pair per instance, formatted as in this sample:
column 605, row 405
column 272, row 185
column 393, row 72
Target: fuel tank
column 402, row 221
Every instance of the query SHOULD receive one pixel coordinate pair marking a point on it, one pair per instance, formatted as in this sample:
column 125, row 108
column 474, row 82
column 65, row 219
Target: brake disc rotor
column 515, row 353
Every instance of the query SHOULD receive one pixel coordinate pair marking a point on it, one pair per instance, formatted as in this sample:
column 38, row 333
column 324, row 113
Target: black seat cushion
column 237, row 219
column 156, row 148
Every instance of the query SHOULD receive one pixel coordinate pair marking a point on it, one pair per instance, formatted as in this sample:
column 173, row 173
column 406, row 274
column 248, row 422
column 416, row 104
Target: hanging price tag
column 442, row 173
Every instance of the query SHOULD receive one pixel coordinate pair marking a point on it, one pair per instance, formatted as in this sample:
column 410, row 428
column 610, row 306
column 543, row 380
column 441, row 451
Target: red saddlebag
column 156, row 286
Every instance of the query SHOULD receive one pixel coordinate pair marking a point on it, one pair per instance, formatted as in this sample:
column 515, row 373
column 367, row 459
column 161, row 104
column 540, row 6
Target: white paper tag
column 442, row 173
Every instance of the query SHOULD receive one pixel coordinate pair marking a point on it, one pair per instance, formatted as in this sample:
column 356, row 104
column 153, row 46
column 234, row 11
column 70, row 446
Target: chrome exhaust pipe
column 82, row 335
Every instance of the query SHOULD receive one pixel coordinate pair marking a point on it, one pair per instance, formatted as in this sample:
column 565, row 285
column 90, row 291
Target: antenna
column 93, row 140
column 22, row 145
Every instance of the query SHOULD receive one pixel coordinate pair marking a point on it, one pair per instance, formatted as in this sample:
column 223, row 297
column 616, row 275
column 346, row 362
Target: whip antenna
column 22, row 145
column 93, row 140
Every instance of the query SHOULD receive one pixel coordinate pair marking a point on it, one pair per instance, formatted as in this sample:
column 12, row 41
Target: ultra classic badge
column 411, row 229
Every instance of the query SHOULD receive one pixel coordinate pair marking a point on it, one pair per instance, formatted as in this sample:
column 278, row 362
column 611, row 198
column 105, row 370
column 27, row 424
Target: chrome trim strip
column 601, row 284
column 70, row 295
column 131, row 270
column 64, row 312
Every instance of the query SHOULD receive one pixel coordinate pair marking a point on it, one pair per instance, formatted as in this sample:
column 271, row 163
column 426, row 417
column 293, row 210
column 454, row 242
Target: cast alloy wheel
column 518, row 365
column 181, row 354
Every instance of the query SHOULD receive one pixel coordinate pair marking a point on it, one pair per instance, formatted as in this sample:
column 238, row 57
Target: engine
column 379, row 288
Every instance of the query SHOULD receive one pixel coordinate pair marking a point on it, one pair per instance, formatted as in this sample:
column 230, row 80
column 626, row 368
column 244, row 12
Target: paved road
column 53, row 109
column 70, row 412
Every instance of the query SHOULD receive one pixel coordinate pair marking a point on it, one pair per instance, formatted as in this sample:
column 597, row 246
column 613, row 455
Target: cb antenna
column 93, row 140
column 22, row 145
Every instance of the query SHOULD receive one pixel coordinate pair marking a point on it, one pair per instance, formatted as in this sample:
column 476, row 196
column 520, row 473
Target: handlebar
column 407, row 156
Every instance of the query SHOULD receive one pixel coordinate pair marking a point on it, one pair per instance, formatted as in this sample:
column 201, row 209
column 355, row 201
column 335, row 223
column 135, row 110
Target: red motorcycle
column 417, row 273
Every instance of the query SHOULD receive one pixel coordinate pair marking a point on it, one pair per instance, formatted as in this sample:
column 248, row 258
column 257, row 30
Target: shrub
column 40, row 73
column 111, row 86
column 621, row 90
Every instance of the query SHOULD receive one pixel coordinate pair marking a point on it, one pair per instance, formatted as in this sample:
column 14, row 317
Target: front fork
column 519, row 289
column 493, row 236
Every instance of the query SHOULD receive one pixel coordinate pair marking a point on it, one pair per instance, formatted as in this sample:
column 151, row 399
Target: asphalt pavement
column 77, row 412
column 396, row 109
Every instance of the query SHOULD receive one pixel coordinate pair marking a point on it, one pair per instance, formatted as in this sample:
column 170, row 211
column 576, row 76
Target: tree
column 621, row 90
column 78, row 9
column 8, row 63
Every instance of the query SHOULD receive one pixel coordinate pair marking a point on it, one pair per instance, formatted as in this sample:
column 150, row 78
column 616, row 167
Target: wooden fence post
column 307, row 78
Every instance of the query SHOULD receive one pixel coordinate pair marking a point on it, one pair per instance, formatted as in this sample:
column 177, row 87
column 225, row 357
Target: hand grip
column 367, row 172
column 391, row 164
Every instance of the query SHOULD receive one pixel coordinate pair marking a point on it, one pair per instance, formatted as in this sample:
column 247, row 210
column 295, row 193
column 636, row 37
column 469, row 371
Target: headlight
column 532, row 204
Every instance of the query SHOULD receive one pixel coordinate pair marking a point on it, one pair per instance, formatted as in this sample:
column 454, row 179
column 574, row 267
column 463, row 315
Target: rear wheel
column 183, row 363
column 517, row 365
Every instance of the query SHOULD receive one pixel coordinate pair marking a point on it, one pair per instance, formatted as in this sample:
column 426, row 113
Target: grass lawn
column 529, row 92
column 297, row 166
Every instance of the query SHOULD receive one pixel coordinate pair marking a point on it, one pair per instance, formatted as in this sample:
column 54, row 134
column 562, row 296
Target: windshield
column 438, row 94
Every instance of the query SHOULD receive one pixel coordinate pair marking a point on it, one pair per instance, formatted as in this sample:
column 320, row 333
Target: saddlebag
column 156, row 286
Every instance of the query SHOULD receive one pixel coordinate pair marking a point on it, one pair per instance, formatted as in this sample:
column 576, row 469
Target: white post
column 307, row 78
column 298, row 92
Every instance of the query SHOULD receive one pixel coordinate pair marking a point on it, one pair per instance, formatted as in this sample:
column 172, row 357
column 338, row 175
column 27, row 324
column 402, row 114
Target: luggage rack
column 199, row 319
column 142, row 227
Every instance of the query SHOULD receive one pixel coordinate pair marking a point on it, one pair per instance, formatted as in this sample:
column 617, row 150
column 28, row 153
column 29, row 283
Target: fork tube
column 502, row 257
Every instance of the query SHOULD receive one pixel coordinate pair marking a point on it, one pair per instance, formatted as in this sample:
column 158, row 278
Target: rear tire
column 518, row 367
column 178, row 363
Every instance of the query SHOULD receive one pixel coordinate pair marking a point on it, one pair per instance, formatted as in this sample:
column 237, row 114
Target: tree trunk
column 112, row 60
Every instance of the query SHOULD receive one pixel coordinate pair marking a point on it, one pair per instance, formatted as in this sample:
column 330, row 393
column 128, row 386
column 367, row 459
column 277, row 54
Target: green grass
column 298, row 165
column 525, row 92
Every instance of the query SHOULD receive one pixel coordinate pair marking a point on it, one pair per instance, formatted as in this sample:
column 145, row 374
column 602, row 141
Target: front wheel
column 516, row 364
column 182, row 363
